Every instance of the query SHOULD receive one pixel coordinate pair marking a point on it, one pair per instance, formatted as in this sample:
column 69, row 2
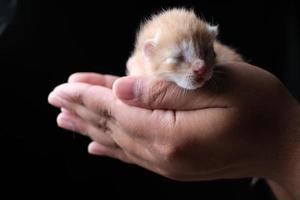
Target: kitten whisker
column 213, row 85
column 219, row 71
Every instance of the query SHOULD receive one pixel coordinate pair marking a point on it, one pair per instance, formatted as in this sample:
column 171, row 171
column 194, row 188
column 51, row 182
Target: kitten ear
column 150, row 44
column 213, row 29
column 148, row 48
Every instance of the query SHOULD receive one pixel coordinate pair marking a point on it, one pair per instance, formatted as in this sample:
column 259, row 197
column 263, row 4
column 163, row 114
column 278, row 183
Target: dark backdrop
column 47, row 40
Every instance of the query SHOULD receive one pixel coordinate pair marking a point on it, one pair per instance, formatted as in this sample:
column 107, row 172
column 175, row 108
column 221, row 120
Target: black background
column 48, row 40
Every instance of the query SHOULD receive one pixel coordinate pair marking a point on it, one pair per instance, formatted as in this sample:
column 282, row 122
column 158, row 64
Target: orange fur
column 173, row 43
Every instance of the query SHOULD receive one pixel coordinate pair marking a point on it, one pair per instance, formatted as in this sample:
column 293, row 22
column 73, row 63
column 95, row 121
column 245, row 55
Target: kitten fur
column 178, row 46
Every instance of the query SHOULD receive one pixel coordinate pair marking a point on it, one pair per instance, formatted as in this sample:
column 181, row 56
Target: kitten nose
column 199, row 68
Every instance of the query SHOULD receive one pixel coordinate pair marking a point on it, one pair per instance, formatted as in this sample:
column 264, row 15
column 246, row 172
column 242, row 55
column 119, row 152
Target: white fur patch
column 213, row 29
column 188, row 50
column 185, row 81
column 156, row 37
column 172, row 54
column 171, row 61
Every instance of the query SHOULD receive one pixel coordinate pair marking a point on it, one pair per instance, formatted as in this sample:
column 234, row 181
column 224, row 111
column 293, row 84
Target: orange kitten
column 178, row 46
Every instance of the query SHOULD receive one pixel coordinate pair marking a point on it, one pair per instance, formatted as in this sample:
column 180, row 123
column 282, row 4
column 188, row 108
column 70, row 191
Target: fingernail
column 65, row 122
column 54, row 99
column 95, row 148
column 127, row 88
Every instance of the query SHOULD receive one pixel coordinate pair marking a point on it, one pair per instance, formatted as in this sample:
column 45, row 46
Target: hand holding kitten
column 249, row 128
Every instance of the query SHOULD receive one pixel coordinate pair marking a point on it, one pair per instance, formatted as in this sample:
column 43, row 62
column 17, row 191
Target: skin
column 243, row 123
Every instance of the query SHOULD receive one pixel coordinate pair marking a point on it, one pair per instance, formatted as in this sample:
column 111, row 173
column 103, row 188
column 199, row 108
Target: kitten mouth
column 197, row 79
column 200, row 72
column 204, row 75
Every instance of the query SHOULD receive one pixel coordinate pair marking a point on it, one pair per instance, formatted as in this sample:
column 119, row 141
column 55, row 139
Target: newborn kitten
column 178, row 46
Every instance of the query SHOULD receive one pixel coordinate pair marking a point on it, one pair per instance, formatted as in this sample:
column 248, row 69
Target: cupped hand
column 235, row 126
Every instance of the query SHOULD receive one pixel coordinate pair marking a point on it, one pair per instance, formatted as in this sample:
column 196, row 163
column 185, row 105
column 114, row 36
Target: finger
column 99, row 121
column 67, row 111
column 139, row 129
column 152, row 93
column 91, row 103
column 113, row 137
column 81, row 94
column 75, row 108
column 74, row 123
column 93, row 79
column 119, row 139
column 100, row 100
column 95, row 148
column 229, row 81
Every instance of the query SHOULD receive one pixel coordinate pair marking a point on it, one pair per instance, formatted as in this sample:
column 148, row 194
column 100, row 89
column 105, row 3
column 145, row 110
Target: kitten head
column 178, row 46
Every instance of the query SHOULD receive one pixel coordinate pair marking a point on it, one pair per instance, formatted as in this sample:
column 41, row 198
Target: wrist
column 287, row 175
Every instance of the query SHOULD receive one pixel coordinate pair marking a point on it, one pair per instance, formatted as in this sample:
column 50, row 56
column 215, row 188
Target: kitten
column 176, row 45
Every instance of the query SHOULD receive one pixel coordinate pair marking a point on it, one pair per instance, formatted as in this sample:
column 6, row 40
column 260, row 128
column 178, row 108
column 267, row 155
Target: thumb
column 153, row 93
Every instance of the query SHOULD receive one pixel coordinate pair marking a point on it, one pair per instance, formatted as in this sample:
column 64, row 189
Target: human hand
column 239, row 128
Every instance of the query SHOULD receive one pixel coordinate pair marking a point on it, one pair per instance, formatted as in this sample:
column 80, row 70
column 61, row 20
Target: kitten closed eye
column 175, row 60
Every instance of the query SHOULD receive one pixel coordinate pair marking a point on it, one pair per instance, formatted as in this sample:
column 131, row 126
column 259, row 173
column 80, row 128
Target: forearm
column 279, row 192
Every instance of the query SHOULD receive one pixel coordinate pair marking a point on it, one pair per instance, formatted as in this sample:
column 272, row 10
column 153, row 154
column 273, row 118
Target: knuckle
column 103, row 125
column 82, row 128
column 78, row 97
column 170, row 154
column 90, row 91
column 78, row 128
column 156, row 94
column 101, row 107
column 172, row 162
column 91, row 102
